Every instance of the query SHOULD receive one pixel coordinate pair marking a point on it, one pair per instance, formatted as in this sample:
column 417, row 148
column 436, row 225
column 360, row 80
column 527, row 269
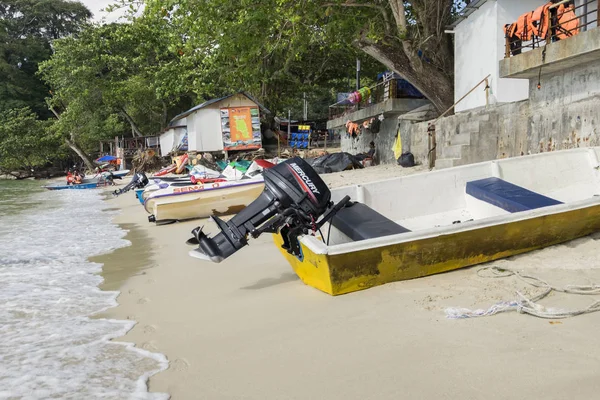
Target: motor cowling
column 293, row 200
column 139, row 181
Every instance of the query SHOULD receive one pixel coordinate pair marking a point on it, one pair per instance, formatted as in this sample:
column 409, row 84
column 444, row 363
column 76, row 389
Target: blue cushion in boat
column 360, row 222
column 507, row 196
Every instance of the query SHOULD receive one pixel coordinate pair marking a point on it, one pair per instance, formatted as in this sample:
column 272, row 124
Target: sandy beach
column 248, row 328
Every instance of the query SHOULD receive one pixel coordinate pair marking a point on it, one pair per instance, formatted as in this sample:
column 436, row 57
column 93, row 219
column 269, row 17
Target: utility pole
column 305, row 109
column 357, row 74
column 289, row 125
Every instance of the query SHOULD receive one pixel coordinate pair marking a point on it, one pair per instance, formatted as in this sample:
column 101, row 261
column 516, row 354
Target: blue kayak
column 91, row 185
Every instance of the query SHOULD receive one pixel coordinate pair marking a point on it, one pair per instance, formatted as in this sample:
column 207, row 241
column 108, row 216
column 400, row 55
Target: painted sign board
column 240, row 127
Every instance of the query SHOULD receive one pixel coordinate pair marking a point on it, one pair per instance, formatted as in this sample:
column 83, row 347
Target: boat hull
column 203, row 203
column 352, row 271
column 91, row 185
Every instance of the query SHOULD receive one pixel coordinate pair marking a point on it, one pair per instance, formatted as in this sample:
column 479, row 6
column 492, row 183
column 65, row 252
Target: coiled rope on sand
column 527, row 305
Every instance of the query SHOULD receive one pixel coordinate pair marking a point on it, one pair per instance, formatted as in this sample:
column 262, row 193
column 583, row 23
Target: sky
column 96, row 5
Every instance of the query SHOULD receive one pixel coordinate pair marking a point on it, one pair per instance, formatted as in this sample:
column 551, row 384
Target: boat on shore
column 440, row 221
column 178, row 201
column 60, row 186
column 428, row 223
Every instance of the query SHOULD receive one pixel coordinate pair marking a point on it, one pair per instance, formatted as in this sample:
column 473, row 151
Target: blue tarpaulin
column 106, row 158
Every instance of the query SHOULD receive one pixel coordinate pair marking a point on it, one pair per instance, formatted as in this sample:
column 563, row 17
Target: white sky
column 96, row 5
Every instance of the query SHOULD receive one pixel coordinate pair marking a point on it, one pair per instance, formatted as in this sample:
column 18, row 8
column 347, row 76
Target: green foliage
column 124, row 71
column 25, row 142
column 27, row 28
column 274, row 49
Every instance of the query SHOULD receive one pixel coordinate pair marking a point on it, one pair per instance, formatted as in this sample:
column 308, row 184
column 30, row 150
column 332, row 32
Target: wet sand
column 248, row 328
column 126, row 262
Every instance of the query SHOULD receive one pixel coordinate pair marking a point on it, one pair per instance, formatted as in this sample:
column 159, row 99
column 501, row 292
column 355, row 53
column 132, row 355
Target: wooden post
column 507, row 47
column 278, row 144
column 487, row 92
column 549, row 28
column 431, row 155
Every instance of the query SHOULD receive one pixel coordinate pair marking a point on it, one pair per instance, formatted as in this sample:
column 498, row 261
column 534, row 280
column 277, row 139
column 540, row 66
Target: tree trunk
column 134, row 128
column 429, row 80
column 88, row 161
column 71, row 143
column 164, row 122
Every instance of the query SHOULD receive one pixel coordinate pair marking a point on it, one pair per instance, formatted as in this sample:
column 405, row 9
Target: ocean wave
column 49, row 345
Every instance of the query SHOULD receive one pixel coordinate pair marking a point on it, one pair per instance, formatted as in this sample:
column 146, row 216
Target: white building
column 174, row 138
column 207, row 126
column 479, row 45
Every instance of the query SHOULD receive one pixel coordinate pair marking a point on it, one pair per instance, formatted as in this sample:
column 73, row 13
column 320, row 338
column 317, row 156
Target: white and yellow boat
column 440, row 221
column 418, row 225
column 176, row 203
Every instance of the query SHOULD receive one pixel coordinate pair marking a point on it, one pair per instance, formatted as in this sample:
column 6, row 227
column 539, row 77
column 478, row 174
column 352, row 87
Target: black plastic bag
column 406, row 160
column 335, row 162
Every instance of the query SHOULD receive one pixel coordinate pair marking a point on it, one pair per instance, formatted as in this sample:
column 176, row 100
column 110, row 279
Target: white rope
column 526, row 305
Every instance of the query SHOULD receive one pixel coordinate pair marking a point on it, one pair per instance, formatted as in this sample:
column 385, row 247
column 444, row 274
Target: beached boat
column 105, row 177
column 423, row 224
column 120, row 173
column 182, row 202
column 90, row 185
column 158, row 184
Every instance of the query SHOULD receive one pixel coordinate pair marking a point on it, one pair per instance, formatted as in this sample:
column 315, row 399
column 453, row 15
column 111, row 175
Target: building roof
column 213, row 101
column 465, row 12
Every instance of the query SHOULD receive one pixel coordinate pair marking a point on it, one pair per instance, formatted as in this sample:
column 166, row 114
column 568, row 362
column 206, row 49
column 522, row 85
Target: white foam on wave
column 49, row 347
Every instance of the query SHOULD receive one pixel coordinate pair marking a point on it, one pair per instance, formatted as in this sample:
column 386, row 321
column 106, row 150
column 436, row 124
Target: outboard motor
column 291, row 204
column 138, row 181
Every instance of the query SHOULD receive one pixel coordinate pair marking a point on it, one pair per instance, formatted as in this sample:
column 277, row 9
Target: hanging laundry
column 352, row 128
column 397, row 148
column 538, row 21
column 567, row 23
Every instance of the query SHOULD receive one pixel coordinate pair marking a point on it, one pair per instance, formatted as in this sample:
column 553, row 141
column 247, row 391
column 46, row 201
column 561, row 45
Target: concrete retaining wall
column 384, row 140
column 563, row 114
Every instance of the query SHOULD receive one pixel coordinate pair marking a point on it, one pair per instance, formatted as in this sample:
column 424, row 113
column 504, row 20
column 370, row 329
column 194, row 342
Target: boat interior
column 458, row 197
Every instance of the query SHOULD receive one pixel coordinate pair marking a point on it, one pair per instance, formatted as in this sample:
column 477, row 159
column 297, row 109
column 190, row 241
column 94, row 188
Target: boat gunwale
column 318, row 247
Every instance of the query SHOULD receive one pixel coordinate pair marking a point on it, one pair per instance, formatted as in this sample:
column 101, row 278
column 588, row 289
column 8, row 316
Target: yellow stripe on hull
column 353, row 271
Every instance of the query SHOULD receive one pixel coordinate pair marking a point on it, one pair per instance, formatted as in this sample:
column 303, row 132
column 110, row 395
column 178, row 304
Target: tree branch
column 386, row 18
column 53, row 111
column 134, row 128
column 399, row 15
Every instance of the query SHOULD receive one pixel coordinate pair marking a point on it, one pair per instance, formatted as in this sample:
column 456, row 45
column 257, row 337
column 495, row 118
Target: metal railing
column 380, row 92
column 554, row 23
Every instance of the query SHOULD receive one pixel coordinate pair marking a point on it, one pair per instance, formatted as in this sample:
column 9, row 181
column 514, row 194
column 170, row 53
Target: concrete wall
column 479, row 45
column 569, row 86
column 508, row 90
column 384, row 140
column 475, row 54
column 563, row 114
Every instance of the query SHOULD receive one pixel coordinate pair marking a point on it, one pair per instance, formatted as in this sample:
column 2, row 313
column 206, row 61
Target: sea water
column 49, row 345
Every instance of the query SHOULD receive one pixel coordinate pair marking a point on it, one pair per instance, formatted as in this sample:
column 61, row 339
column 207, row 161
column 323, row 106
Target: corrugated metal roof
column 213, row 101
column 468, row 10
